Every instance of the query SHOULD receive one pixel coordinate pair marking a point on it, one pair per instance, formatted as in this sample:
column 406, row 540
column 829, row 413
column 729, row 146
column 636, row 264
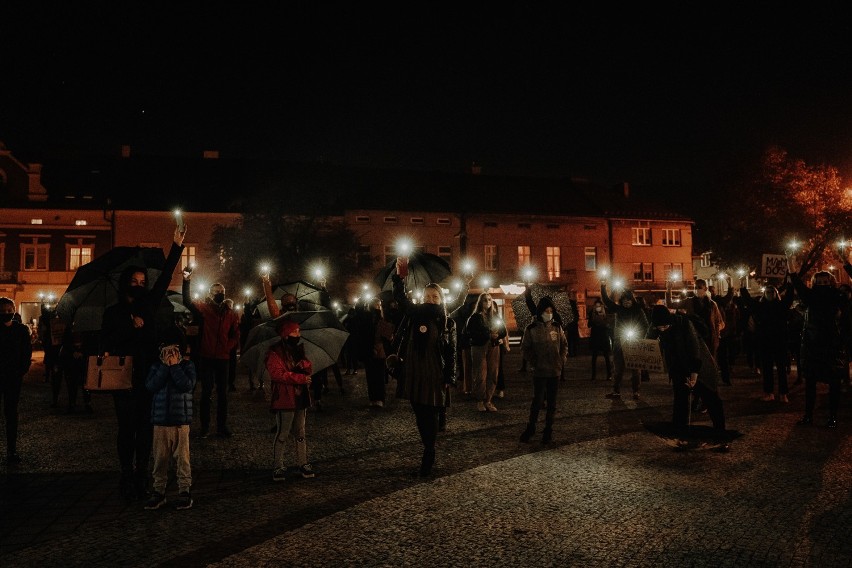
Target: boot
column 525, row 437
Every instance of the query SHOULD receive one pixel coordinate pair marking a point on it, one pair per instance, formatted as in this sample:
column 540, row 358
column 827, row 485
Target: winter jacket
column 479, row 328
column 172, row 386
column 686, row 353
column 220, row 331
column 822, row 353
column 599, row 331
column 695, row 306
column 545, row 347
column 119, row 337
column 16, row 350
column 770, row 317
column 632, row 318
column 288, row 378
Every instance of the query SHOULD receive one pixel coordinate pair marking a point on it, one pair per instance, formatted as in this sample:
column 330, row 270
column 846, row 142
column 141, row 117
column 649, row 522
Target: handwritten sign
column 773, row 266
column 643, row 354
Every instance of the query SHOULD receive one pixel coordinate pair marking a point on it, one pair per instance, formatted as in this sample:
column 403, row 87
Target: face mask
column 6, row 318
column 136, row 292
column 599, row 309
column 219, row 298
column 547, row 317
column 291, row 340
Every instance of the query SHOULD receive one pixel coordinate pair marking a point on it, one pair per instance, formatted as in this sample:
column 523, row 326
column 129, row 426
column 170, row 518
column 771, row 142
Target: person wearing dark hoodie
column 428, row 359
column 630, row 323
column 691, row 370
column 16, row 352
column 129, row 328
column 545, row 346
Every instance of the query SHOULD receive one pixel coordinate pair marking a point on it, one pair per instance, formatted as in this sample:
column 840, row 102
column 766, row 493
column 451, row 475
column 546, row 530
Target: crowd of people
column 435, row 349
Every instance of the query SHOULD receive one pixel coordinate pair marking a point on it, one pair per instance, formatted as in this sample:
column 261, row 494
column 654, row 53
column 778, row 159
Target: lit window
column 705, row 260
column 187, row 257
column 81, row 222
column 642, row 234
column 671, row 237
column 554, row 262
column 674, row 271
column 35, row 221
column 524, row 256
column 643, row 271
column 490, row 257
column 591, row 256
column 78, row 256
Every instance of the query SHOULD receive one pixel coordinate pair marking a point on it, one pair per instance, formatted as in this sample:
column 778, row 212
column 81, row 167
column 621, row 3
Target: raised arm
column 274, row 309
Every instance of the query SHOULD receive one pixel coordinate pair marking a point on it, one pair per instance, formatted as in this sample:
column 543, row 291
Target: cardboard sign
column 643, row 354
column 773, row 266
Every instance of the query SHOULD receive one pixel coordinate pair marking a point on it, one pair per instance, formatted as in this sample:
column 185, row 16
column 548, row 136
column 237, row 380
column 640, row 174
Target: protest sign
column 643, row 354
column 773, row 266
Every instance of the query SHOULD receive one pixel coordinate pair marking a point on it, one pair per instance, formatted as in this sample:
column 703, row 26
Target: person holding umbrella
column 129, row 328
column 16, row 353
column 691, row 370
column 428, row 360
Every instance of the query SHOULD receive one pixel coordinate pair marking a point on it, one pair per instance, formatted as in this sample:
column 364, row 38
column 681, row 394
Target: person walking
column 290, row 381
column 220, row 334
column 171, row 381
column 545, row 346
column 600, row 341
column 16, row 352
column 129, row 329
column 485, row 334
column 428, row 353
column 630, row 322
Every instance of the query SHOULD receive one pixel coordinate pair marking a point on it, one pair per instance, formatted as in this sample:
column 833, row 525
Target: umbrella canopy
column 310, row 297
column 560, row 299
column 322, row 335
column 423, row 268
column 95, row 284
column 176, row 301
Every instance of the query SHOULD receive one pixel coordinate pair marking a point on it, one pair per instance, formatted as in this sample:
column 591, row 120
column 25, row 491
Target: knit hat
column 286, row 327
column 660, row 315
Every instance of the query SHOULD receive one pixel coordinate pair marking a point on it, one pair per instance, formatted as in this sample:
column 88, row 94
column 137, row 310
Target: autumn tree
column 786, row 201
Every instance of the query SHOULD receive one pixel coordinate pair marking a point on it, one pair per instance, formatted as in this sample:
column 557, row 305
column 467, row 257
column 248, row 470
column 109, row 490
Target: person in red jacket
column 220, row 333
column 290, row 378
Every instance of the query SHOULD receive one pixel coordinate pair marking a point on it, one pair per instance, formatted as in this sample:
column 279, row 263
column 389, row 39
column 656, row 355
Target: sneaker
column 307, row 471
column 280, row 474
column 768, row 397
column 156, row 501
column 480, row 406
column 489, row 406
column 184, row 501
column 501, row 394
column 379, row 403
column 783, row 398
column 614, row 395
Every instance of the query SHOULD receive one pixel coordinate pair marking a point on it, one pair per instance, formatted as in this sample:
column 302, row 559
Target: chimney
column 35, row 191
column 626, row 189
column 125, row 151
column 210, row 154
column 475, row 168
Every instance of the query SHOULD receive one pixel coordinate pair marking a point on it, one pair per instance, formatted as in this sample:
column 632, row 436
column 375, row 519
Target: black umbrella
column 423, row 268
column 322, row 335
column 310, row 297
column 561, row 301
column 95, row 284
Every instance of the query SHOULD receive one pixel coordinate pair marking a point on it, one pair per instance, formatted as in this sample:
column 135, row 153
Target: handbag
column 109, row 373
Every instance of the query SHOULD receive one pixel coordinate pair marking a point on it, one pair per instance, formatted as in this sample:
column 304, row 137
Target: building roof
column 229, row 185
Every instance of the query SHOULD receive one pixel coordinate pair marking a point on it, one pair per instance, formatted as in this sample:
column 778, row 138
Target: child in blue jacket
column 172, row 381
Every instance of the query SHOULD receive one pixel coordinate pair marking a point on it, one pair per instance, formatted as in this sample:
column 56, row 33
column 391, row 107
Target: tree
column 786, row 200
column 291, row 242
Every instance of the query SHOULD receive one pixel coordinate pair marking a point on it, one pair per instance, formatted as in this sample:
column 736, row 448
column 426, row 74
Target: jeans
column 375, row 370
column 486, row 365
column 550, row 385
column 171, row 441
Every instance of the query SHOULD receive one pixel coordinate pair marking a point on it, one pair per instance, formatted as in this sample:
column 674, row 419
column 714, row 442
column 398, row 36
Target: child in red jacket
column 290, row 377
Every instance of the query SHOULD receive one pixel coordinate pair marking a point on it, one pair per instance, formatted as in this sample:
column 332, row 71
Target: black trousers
column 135, row 431
column 375, row 371
column 542, row 385
column 680, row 408
column 214, row 372
column 10, row 390
column 427, row 425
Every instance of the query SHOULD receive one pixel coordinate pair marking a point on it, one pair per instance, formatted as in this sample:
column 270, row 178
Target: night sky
column 676, row 97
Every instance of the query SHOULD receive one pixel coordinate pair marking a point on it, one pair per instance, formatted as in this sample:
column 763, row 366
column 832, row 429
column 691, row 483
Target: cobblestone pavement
column 605, row 492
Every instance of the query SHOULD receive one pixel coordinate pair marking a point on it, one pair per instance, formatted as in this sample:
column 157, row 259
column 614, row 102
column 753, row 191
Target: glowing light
column 618, row 284
column 265, row 269
column 741, row 272
column 529, row 273
column 485, row 282
column 365, row 287
column 335, row 305
column 794, row 245
column 675, row 276
column 404, row 247
column 630, row 333
column 468, row 266
column 247, row 292
column 603, row 272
